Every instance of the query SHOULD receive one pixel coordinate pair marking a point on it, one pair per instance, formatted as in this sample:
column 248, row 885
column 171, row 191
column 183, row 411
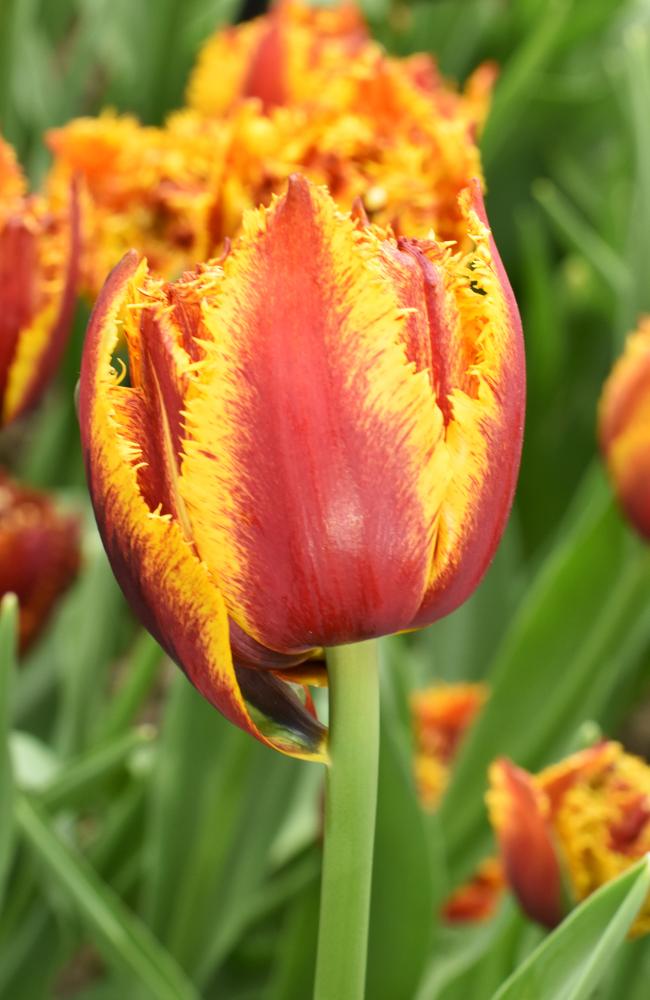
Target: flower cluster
column 268, row 99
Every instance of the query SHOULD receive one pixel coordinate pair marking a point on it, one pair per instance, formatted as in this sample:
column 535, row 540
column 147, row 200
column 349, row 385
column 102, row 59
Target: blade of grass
column 121, row 936
column 76, row 783
column 571, row 961
column 8, row 625
column 580, row 236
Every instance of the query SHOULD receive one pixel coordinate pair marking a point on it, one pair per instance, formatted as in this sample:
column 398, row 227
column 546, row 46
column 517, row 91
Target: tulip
column 624, row 428
column 442, row 714
column 478, row 898
column 288, row 55
column 38, row 271
column 570, row 829
column 39, row 555
column 317, row 443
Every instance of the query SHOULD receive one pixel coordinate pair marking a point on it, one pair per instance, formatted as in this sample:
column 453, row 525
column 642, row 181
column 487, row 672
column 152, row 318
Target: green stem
column 350, row 807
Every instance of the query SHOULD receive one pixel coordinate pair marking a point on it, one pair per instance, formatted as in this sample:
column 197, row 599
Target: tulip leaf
column 8, row 620
column 125, row 941
column 571, row 961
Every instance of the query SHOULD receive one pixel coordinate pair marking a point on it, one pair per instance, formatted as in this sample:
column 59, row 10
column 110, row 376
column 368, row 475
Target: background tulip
column 578, row 824
column 318, row 443
column 624, row 428
column 393, row 134
column 38, row 275
column 39, row 554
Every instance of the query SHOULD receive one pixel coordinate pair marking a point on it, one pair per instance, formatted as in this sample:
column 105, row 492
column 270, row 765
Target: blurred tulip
column 287, row 56
column 38, row 274
column 624, row 428
column 39, row 554
column 318, row 443
column 574, row 826
column 391, row 133
column 478, row 898
column 441, row 716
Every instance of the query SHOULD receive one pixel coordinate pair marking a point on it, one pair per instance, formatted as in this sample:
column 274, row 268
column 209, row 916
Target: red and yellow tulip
column 317, row 443
column 571, row 828
column 624, row 428
column 39, row 554
column 38, row 275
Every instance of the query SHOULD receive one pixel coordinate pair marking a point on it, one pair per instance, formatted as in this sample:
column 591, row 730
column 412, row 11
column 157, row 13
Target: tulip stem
column 350, row 808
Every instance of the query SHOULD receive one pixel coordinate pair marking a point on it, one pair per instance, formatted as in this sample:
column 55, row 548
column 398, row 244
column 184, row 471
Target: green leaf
column 8, row 627
column 119, row 934
column 571, row 961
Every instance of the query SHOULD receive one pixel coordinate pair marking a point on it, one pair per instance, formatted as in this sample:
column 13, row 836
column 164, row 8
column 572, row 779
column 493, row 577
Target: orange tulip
column 577, row 824
column 39, row 554
column 442, row 714
column 317, row 443
column 38, row 272
column 624, row 428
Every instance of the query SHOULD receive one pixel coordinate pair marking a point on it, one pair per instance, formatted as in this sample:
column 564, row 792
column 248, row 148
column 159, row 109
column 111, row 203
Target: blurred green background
column 150, row 849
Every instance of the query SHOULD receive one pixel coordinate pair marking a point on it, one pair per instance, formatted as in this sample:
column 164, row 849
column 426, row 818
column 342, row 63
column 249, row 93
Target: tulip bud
column 318, row 443
column 39, row 554
column 574, row 826
column 38, row 272
column 624, row 428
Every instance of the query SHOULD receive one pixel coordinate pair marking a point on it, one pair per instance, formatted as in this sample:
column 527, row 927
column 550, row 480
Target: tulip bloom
column 624, row 428
column 38, row 271
column 317, row 443
column 574, row 826
column 39, row 554
column 442, row 714
column 286, row 56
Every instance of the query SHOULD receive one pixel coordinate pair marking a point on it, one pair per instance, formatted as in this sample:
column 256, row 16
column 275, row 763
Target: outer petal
column 479, row 376
column 311, row 459
column 151, row 555
column 38, row 283
column 518, row 811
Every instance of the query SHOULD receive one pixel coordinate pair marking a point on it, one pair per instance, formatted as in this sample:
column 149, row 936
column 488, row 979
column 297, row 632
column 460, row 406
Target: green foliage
column 147, row 848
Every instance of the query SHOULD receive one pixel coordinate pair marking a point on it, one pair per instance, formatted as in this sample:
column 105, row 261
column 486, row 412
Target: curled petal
column 130, row 440
column 478, row 372
column 519, row 815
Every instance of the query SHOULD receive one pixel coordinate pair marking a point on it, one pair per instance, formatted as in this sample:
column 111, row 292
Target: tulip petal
column 482, row 379
column 310, row 435
column 39, row 284
column 518, row 813
column 166, row 583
